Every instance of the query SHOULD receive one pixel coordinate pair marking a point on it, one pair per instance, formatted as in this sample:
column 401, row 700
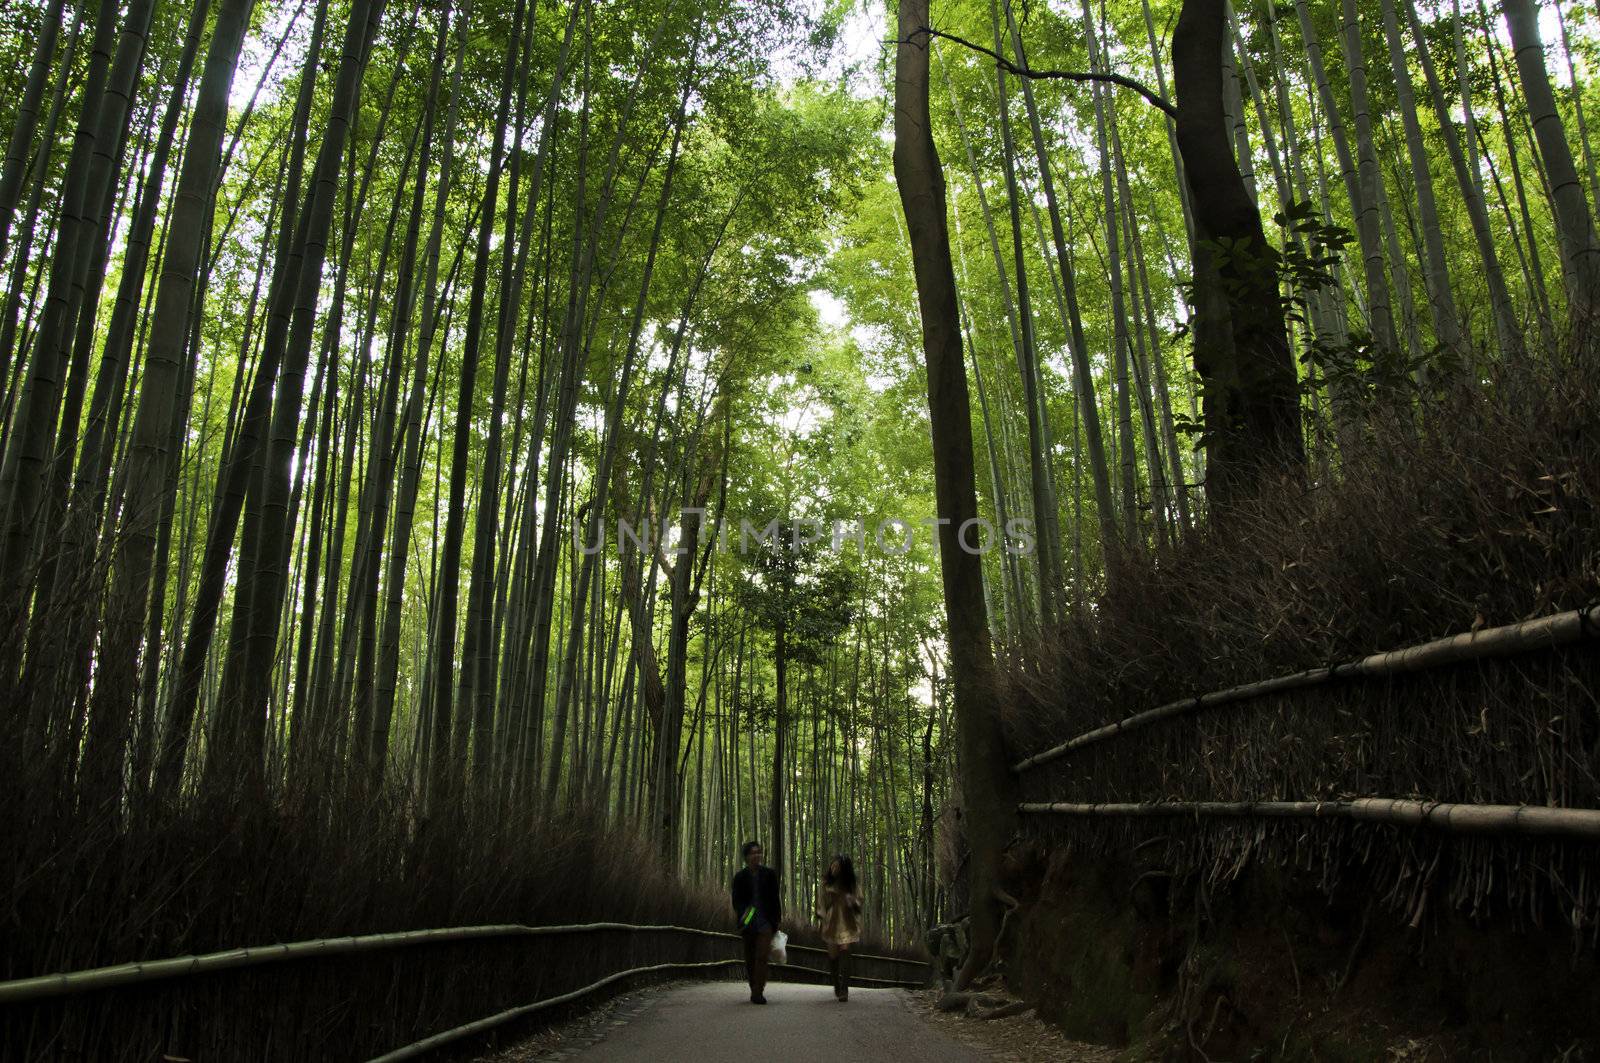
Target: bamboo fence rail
column 1559, row 629
column 70, row 982
column 421, row 1048
column 1583, row 823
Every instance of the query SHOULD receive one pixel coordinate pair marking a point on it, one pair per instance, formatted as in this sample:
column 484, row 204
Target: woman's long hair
column 845, row 879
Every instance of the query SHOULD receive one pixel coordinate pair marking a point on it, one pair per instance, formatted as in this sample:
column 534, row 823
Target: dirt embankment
column 1273, row 967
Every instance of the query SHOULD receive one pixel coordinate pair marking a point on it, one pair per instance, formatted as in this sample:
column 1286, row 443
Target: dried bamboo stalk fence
column 1453, row 817
column 144, row 980
column 1560, row 629
column 421, row 1048
column 439, row 1040
column 1512, row 750
column 66, row 983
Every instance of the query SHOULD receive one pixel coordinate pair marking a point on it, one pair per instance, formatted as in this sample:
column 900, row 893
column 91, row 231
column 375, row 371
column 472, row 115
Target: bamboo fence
column 421, row 1048
column 1580, row 823
column 1559, row 629
column 139, row 972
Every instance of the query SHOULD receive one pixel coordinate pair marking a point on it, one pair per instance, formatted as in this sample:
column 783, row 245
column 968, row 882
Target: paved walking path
column 716, row 1023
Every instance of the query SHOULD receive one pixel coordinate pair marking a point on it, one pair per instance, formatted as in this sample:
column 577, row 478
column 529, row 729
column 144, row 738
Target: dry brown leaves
column 1017, row 1039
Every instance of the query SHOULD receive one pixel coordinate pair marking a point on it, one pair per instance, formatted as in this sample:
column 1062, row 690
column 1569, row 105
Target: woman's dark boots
column 834, row 976
column 841, row 981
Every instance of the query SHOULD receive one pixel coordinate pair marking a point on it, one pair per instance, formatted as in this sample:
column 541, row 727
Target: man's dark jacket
column 761, row 890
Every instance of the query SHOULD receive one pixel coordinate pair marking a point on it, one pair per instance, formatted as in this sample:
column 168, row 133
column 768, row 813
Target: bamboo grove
column 341, row 343
column 332, row 330
column 1307, row 384
column 1426, row 179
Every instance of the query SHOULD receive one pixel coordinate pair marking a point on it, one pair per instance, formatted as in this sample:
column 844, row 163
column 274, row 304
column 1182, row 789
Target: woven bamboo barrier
column 1582, row 823
column 63, row 984
column 421, row 1048
column 1560, row 629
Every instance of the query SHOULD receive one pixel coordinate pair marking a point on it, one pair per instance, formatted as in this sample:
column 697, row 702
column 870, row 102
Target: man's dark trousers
column 757, row 955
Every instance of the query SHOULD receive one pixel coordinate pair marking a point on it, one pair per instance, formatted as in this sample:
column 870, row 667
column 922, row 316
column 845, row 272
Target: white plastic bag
column 780, row 947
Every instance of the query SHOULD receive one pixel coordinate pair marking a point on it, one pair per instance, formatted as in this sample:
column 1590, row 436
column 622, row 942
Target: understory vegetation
column 1468, row 510
column 219, row 878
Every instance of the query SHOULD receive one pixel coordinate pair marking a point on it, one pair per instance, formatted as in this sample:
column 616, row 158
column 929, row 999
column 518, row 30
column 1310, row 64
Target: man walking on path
column 758, row 907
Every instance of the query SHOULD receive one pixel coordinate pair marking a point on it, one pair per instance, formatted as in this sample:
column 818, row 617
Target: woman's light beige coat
column 840, row 915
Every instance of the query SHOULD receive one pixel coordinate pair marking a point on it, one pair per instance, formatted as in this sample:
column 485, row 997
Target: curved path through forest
column 716, row 1023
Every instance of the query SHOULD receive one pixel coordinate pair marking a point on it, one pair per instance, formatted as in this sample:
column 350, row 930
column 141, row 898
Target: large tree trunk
column 1252, row 403
column 986, row 780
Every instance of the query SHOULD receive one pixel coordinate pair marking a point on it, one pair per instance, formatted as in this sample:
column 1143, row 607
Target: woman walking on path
column 839, row 912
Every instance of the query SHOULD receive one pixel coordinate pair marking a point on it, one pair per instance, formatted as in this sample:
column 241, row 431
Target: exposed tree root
column 980, row 1005
column 974, row 1000
column 1004, row 1011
